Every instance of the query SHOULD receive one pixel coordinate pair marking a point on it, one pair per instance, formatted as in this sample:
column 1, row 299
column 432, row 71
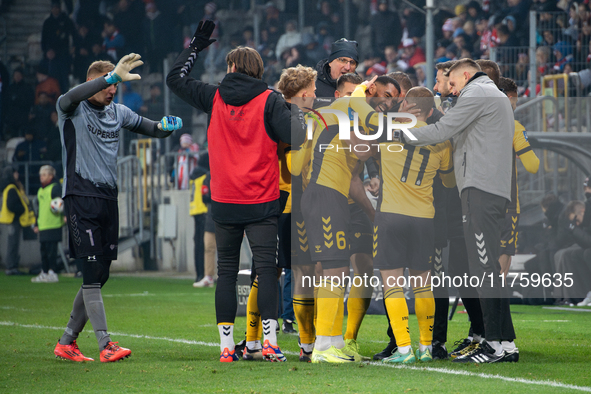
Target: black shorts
column 326, row 214
column 93, row 225
column 509, row 234
column 361, row 231
column 402, row 242
column 300, row 251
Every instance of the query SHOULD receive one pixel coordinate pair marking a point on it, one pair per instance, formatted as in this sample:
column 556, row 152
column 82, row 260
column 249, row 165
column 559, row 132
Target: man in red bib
column 247, row 121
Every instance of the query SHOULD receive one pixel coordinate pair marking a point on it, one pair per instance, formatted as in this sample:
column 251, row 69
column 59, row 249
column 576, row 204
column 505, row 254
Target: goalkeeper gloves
column 122, row 69
column 201, row 38
column 170, row 123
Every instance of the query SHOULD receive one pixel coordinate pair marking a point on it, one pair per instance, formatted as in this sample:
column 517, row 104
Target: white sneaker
column 586, row 301
column 41, row 278
column 52, row 277
column 207, row 281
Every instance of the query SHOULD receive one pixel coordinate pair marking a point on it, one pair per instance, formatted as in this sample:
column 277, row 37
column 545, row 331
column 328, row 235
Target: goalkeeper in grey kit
column 90, row 124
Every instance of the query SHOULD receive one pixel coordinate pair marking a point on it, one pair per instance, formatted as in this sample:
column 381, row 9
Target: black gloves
column 201, row 38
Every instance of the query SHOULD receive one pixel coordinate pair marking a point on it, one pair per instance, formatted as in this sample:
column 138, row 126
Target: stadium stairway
column 24, row 19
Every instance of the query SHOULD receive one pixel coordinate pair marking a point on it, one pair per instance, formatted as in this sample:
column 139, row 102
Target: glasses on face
column 344, row 60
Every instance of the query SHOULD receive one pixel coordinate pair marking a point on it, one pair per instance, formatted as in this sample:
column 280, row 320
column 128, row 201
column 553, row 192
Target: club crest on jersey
column 240, row 114
column 107, row 113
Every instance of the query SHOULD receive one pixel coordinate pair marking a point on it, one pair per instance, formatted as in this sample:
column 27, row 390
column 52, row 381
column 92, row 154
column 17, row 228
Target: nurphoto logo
column 344, row 122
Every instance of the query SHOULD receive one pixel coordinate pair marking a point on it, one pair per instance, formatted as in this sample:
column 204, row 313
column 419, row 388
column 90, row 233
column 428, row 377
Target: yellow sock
column 425, row 311
column 337, row 328
column 329, row 298
column 398, row 312
column 316, row 305
column 254, row 328
column 356, row 307
column 303, row 309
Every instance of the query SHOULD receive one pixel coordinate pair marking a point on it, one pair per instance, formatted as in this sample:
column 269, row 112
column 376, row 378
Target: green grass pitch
column 170, row 328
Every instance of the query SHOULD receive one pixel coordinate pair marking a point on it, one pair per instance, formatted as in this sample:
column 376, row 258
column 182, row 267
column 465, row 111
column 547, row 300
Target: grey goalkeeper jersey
column 90, row 140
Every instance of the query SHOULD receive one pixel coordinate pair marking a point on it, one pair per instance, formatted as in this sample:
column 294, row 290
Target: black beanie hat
column 343, row 48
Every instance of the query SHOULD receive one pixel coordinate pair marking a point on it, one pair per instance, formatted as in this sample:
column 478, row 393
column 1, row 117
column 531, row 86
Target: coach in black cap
column 343, row 59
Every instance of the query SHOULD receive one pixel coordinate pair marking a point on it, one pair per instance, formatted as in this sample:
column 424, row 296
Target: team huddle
column 335, row 224
column 325, row 184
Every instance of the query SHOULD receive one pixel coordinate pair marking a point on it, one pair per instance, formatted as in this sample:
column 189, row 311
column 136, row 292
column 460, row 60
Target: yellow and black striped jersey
column 523, row 149
column 407, row 174
column 284, row 153
column 332, row 160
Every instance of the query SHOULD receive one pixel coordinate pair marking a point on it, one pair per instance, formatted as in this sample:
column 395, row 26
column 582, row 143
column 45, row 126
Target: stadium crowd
column 390, row 33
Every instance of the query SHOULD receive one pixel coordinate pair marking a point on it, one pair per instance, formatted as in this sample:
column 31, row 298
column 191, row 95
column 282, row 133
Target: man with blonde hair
column 90, row 124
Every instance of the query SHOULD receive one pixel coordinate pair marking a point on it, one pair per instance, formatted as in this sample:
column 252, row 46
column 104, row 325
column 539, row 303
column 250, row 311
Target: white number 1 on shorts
column 89, row 231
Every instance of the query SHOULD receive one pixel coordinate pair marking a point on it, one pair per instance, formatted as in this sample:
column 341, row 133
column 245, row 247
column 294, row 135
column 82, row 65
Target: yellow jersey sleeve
column 524, row 150
column 285, row 175
column 283, row 151
column 288, row 160
column 301, row 158
column 446, row 169
column 332, row 160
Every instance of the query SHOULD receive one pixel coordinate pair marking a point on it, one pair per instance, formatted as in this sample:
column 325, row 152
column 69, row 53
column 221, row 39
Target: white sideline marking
column 572, row 309
column 185, row 341
column 432, row 369
column 488, row 376
column 144, row 294
column 15, row 308
column 544, row 321
column 147, row 294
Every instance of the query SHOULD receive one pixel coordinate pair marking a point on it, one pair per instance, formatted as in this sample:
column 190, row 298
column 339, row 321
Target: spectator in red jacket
column 413, row 54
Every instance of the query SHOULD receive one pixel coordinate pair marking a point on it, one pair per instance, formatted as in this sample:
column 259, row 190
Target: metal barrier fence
column 131, row 218
column 557, row 45
column 567, row 39
column 513, row 62
column 565, row 156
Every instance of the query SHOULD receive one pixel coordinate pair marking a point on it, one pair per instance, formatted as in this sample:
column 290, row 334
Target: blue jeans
column 287, row 297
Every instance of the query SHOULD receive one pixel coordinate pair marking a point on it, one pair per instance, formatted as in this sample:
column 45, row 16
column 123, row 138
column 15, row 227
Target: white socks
column 508, row 346
column 254, row 345
column 270, row 331
column 497, row 346
column 337, row 341
column 323, row 342
column 226, row 336
column 404, row 349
